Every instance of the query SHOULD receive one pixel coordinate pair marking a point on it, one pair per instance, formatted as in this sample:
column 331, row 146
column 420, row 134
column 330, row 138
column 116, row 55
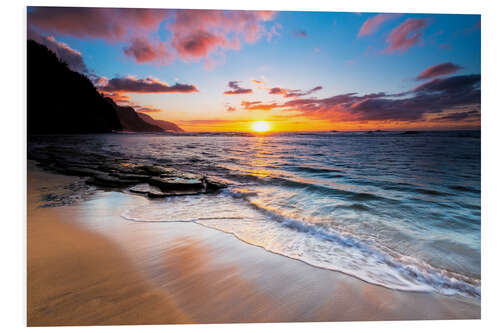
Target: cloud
column 236, row 89
column 274, row 31
column 434, row 97
column 200, row 43
column 142, row 50
column 406, row 35
column 292, row 92
column 117, row 97
column 110, row 24
column 147, row 109
column 458, row 116
column 229, row 108
column 195, row 34
column 258, row 81
column 439, row 70
column 372, row 24
column 278, row 91
column 258, row 105
column 454, row 84
column 299, row 34
column 298, row 93
column 71, row 57
column 130, row 84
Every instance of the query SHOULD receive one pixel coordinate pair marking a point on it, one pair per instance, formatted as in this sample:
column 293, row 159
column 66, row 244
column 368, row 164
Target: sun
column 261, row 126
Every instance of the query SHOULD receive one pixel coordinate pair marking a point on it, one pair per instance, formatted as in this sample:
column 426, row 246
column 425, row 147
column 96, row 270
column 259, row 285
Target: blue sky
column 290, row 50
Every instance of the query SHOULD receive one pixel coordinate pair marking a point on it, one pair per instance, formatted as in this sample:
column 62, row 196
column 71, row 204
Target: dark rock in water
column 154, row 192
column 110, row 181
column 149, row 190
column 77, row 171
column 215, row 183
column 176, row 183
column 153, row 170
column 153, row 180
column 130, row 176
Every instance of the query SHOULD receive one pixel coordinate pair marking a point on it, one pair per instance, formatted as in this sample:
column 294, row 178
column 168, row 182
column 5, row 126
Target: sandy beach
column 89, row 266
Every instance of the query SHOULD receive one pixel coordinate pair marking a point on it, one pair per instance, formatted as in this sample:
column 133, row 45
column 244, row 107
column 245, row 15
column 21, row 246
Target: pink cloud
column 406, row 35
column 142, row 50
column 372, row 24
column 199, row 44
column 438, row 70
column 198, row 33
column 111, row 24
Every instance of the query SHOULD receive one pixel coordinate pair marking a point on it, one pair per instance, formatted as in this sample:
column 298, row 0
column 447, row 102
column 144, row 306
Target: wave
column 316, row 244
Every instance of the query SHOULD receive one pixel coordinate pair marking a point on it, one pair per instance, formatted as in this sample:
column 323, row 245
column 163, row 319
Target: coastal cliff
column 62, row 101
column 165, row 125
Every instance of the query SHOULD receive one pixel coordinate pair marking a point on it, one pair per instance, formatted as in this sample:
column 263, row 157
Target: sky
column 213, row 70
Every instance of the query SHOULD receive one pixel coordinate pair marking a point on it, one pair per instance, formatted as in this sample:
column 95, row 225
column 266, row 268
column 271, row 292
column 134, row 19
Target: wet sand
column 89, row 266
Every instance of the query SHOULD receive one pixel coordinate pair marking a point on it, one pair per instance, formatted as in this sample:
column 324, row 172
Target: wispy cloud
column 293, row 92
column 439, row 70
column 406, row 35
column 373, row 24
column 236, row 89
column 130, row 84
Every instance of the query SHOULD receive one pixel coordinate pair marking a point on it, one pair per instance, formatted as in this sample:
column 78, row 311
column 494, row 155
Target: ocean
column 397, row 209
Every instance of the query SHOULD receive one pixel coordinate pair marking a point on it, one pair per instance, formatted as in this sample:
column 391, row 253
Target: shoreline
column 191, row 273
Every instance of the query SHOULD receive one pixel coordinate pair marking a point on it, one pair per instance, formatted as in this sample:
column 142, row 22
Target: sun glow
column 261, row 126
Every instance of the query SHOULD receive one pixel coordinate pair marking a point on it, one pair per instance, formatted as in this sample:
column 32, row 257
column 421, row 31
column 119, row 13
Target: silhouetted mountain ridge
column 130, row 119
column 166, row 125
column 63, row 101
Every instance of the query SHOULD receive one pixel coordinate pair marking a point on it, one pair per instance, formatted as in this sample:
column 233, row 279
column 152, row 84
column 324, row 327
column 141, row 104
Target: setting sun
column 261, row 126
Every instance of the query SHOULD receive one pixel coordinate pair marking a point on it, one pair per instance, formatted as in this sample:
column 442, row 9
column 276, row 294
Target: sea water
column 397, row 209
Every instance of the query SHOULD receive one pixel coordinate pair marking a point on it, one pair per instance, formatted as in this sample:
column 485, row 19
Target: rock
column 154, row 192
column 149, row 190
column 110, row 181
column 216, row 183
column 130, row 176
column 78, row 171
column 153, row 170
column 176, row 183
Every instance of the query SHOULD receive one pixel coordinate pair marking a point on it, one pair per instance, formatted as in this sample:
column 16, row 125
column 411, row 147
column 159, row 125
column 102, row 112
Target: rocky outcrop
column 153, row 180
